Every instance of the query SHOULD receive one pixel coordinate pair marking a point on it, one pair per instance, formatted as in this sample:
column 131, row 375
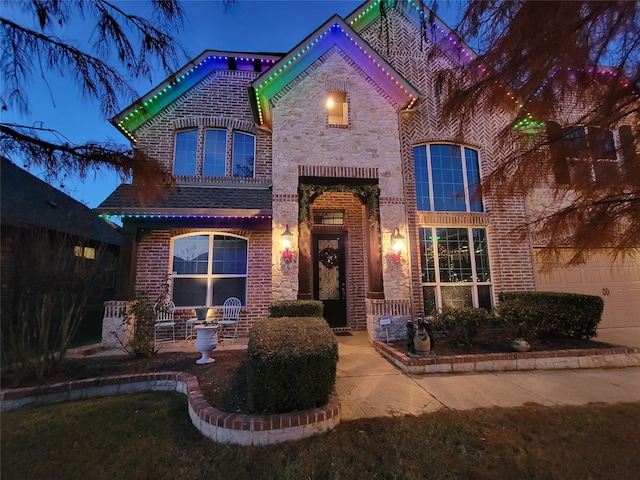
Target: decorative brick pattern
column 511, row 258
column 222, row 427
column 337, row 172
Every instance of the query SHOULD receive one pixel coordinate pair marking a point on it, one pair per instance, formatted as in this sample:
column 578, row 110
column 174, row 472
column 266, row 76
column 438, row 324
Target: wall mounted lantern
column 287, row 241
column 397, row 245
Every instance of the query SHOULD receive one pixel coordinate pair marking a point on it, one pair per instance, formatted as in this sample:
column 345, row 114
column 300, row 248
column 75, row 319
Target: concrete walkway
column 369, row 386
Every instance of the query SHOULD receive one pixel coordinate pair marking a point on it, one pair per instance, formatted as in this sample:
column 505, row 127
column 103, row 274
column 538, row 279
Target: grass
column 150, row 436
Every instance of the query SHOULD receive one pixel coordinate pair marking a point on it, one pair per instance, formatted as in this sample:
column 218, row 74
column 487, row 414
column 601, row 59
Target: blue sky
column 250, row 25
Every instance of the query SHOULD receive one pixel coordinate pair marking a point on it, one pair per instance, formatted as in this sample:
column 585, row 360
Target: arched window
column 208, row 268
column 447, row 178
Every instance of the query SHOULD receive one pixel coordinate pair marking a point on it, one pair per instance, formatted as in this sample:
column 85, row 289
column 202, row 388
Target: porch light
column 287, row 240
column 397, row 245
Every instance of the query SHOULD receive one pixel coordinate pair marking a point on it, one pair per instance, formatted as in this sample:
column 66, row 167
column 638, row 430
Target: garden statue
column 411, row 334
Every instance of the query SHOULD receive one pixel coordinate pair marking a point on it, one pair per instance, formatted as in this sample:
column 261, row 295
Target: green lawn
column 150, row 436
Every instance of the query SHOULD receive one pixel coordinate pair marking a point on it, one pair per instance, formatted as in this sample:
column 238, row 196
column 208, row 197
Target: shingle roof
column 27, row 201
column 192, row 200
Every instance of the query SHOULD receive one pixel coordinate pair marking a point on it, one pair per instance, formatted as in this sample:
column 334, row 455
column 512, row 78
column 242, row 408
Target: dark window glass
column 244, row 149
column 189, row 292
column 185, row 153
column 215, row 153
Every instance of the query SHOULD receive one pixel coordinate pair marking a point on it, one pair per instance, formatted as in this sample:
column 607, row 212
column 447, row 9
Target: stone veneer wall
column 303, row 138
column 154, row 261
column 511, row 258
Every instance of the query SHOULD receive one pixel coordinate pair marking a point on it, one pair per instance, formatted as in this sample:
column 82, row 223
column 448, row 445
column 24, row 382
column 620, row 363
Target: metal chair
column 230, row 318
column 164, row 321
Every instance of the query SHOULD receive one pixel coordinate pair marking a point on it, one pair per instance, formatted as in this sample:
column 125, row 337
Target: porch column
column 305, row 272
column 126, row 266
column 374, row 259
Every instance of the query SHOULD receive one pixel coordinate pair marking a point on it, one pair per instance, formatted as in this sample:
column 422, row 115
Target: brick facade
column 376, row 146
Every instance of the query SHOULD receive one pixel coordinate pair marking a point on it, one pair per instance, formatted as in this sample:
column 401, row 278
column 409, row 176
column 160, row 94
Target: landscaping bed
column 498, row 341
column 222, row 382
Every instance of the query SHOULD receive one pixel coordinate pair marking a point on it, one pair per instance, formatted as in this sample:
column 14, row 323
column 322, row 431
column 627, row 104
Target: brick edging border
column 222, row 427
column 615, row 357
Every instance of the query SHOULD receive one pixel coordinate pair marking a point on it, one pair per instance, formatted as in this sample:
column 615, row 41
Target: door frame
column 342, row 237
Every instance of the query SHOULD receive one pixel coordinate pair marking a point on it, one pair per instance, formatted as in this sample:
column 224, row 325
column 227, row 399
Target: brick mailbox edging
column 222, row 427
column 615, row 357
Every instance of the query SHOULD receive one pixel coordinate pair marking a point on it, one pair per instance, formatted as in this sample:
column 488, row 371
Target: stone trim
column 337, row 172
column 548, row 360
column 219, row 426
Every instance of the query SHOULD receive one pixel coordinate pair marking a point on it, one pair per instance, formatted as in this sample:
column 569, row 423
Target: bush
column 296, row 308
column 540, row 314
column 291, row 364
column 460, row 326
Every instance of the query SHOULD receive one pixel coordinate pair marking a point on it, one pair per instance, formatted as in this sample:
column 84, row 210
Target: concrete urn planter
column 201, row 313
column 421, row 346
column 206, row 342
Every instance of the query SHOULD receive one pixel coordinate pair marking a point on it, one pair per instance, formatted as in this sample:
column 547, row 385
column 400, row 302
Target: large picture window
column 208, row 268
column 455, row 268
column 447, row 178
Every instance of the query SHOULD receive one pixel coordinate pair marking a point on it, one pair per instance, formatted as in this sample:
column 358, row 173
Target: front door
column 329, row 276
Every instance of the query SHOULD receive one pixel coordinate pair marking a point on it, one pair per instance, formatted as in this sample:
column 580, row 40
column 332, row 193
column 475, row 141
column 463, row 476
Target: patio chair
column 164, row 321
column 230, row 318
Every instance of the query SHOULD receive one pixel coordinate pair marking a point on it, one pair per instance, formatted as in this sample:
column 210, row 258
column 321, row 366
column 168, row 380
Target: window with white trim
column 208, row 268
column 186, row 151
column 447, row 178
column 244, row 152
column 215, row 162
column 455, row 268
column 337, row 109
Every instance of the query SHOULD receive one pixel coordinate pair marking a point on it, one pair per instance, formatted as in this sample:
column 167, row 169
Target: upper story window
column 215, row 153
column 208, row 268
column 337, row 108
column 583, row 154
column 211, row 145
column 244, row 152
column 447, row 178
column 186, row 151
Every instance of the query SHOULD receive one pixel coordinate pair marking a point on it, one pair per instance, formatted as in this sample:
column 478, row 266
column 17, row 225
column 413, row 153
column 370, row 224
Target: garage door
column 617, row 283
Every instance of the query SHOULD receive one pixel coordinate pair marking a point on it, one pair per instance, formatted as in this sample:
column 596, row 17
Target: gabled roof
column 190, row 201
column 186, row 78
column 27, row 201
column 438, row 31
column 334, row 32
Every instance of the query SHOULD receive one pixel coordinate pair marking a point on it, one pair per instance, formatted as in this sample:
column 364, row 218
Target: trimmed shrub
column 291, row 364
column 540, row 314
column 460, row 326
column 296, row 308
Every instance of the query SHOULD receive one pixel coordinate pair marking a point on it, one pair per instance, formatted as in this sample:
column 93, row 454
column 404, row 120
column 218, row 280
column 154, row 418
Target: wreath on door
column 329, row 257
